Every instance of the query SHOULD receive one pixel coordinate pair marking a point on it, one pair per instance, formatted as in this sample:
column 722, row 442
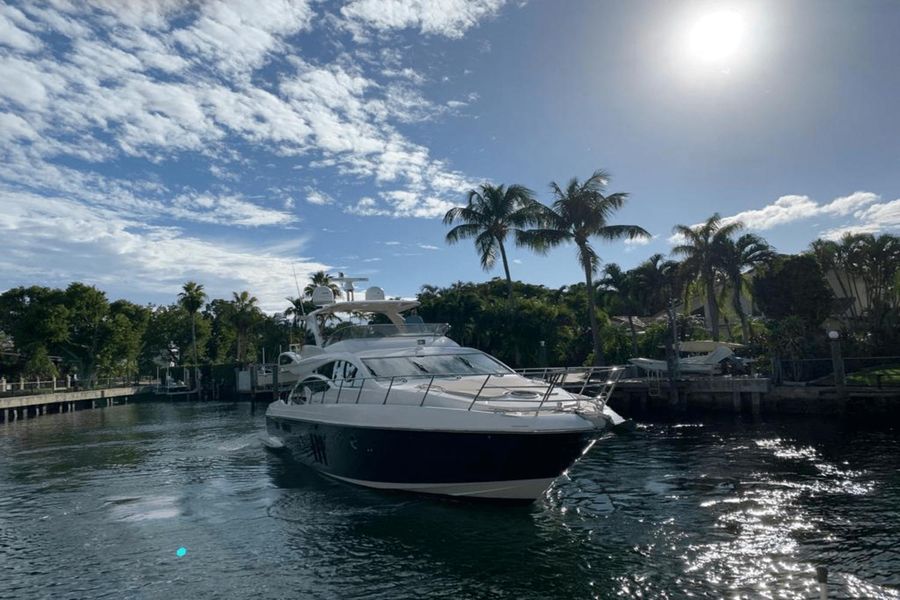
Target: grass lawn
column 889, row 376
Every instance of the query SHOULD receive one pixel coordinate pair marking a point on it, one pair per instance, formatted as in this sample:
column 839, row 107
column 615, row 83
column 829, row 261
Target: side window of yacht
column 346, row 371
column 326, row 370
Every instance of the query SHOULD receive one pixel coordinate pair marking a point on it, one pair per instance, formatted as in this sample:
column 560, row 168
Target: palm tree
column 702, row 248
column 295, row 311
column 243, row 316
column 492, row 212
column 627, row 291
column 747, row 252
column 829, row 256
column 580, row 212
column 659, row 281
column 321, row 278
column 191, row 299
column 879, row 260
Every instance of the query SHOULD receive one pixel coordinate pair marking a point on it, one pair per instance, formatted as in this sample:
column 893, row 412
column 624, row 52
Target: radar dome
column 374, row 293
column 322, row 295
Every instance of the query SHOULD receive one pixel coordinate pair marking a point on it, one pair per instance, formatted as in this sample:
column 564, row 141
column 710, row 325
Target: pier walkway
column 17, row 407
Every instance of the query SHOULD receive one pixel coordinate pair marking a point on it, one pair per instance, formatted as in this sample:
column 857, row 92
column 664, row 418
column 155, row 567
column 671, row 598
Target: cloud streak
column 865, row 210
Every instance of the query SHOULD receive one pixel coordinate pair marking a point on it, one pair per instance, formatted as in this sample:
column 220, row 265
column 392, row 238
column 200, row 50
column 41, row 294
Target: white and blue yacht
column 401, row 406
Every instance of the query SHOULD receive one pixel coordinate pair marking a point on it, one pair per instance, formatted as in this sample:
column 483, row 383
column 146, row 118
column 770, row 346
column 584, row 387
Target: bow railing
column 594, row 386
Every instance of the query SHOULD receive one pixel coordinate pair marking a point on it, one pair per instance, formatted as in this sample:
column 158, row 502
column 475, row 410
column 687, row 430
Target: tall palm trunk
column 634, row 348
column 712, row 307
column 194, row 337
column 592, row 316
column 745, row 324
column 509, row 284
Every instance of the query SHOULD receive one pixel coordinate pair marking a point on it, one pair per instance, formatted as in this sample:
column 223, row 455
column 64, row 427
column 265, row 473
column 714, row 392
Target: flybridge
column 374, row 302
column 370, row 332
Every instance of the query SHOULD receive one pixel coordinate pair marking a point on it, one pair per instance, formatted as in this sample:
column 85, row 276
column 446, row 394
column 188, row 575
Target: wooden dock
column 749, row 395
column 13, row 408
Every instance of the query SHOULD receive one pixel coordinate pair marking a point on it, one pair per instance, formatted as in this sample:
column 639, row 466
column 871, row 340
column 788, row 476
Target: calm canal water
column 96, row 504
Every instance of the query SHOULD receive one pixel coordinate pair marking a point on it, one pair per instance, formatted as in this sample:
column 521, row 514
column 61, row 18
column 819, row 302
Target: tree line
column 719, row 282
column 734, row 272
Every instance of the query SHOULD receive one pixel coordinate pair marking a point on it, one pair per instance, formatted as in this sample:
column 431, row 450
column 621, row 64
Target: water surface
column 96, row 504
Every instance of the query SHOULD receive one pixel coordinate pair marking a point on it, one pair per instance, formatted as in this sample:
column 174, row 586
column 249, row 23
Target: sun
column 717, row 37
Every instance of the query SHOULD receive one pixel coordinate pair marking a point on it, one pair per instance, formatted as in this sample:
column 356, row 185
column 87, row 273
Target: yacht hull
column 493, row 465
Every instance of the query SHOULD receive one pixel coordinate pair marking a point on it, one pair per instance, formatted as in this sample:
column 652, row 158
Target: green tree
column 88, row 309
column 794, row 286
column 490, row 215
column 191, row 299
column 703, row 249
column 626, row 297
column 122, row 339
column 321, row 278
column 167, row 336
column 222, row 344
column 879, row 265
column 34, row 316
column 295, row 311
column 739, row 256
column 579, row 213
column 829, row 255
column 244, row 316
column 39, row 364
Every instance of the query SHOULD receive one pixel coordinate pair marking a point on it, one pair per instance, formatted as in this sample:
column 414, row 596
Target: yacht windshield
column 471, row 363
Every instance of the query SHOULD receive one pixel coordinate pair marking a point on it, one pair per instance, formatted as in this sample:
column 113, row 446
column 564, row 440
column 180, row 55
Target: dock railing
column 594, row 386
column 870, row 371
column 22, row 386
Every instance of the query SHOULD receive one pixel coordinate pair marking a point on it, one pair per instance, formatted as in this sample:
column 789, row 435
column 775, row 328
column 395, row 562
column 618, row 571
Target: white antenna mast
column 348, row 283
column 299, row 295
column 302, row 308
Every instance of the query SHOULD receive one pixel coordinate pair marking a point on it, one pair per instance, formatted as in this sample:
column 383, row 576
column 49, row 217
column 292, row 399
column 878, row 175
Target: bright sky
column 150, row 142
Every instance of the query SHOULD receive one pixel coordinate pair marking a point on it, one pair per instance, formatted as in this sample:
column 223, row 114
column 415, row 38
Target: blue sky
column 147, row 143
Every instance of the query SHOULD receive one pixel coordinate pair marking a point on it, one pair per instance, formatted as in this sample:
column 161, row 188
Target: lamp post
column 837, row 364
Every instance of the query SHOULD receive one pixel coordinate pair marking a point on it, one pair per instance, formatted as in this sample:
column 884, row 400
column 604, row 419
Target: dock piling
column 822, row 579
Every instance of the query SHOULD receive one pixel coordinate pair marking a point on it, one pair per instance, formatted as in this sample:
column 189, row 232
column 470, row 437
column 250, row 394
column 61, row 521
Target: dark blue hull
column 454, row 463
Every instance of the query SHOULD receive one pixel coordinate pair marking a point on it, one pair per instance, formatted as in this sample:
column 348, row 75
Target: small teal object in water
column 181, row 552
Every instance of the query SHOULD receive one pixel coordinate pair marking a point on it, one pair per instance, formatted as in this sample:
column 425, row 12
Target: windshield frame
column 419, row 365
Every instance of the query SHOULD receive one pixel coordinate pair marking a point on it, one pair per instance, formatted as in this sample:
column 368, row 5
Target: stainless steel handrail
column 547, row 380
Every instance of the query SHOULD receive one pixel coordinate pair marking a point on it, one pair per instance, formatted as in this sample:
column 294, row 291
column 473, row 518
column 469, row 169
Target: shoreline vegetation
column 719, row 283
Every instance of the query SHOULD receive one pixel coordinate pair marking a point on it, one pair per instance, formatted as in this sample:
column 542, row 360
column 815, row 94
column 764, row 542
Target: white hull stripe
column 515, row 489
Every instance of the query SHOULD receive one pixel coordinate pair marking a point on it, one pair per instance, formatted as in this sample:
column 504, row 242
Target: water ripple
column 95, row 504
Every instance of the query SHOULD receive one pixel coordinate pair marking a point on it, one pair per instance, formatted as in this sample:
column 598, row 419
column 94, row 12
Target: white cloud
column 784, row 210
column 428, row 247
column 11, row 35
column 640, row 241
column 886, row 214
column 227, row 210
column 847, row 204
column 55, row 240
column 318, row 198
column 131, row 91
column 392, row 243
column 366, row 207
column 239, row 34
column 103, row 98
column 870, row 214
column 14, row 127
column 837, row 233
column 877, row 218
column 450, row 18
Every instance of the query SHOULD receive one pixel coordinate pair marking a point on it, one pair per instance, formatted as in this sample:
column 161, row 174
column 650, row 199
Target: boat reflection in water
column 401, row 406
